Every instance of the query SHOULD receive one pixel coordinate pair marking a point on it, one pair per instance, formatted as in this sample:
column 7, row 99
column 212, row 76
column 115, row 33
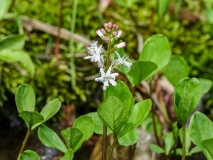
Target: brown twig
column 30, row 24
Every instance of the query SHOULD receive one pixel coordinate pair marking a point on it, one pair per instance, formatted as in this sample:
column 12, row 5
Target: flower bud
column 121, row 45
column 109, row 24
column 105, row 25
column 119, row 34
column 103, row 31
column 107, row 39
column 109, row 30
column 98, row 32
column 115, row 33
column 115, row 26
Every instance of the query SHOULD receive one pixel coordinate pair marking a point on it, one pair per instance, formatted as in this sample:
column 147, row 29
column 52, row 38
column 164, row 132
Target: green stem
column 24, row 142
column 104, row 148
column 108, row 55
column 0, row 73
column 71, row 44
column 183, row 142
column 109, row 155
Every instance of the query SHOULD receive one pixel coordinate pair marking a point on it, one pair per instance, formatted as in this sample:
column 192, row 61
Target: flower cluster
column 110, row 34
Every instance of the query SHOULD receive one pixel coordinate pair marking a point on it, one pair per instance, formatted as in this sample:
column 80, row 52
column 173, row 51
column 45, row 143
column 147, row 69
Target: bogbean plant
column 74, row 136
column 118, row 114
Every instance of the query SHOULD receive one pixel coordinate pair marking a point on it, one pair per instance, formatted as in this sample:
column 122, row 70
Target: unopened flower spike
column 107, row 77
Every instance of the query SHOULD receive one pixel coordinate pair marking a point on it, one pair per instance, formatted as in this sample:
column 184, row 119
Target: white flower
column 95, row 54
column 107, row 78
column 122, row 60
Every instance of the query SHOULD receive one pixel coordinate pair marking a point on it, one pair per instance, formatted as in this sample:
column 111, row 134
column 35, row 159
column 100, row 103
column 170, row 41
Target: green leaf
column 86, row 125
column 206, row 85
column 188, row 140
column 175, row 131
column 18, row 56
column 49, row 138
column 98, row 123
column 176, row 69
column 207, row 144
column 69, row 154
column 157, row 50
column 114, row 114
column 179, row 151
column 72, row 137
column 122, row 92
column 162, row 7
column 148, row 124
column 186, row 97
column 129, row 138
column 9, row 55
column 137, row 114
column 200, row 129
column 11, row 15
column 196, row 149
column 25, row 98
column 140, row 70
column 169, row 142
column 15, row 42
column 29, row 155
column 31, row 118
column 4, row 6
column 157, row 149
column 49, row 110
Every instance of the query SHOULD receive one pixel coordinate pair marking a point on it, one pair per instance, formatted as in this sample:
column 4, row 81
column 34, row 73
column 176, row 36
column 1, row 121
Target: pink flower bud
column 110, row 24
column 103, row 31
column 120, row 45
column 98, row 32
column 115, row 33
column 119, row 34
column 107, row 39
column 115, row 26
column 109, row 30
column 105, row 25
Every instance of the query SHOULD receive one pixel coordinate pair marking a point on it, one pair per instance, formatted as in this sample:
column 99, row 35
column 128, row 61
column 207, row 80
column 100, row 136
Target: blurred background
column 57, row 54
